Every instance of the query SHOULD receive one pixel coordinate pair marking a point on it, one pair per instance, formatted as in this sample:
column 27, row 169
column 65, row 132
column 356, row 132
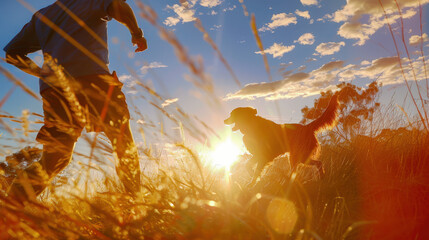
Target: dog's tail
column 329, row 117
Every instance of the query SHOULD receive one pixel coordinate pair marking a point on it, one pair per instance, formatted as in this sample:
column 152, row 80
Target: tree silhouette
column 356, row 106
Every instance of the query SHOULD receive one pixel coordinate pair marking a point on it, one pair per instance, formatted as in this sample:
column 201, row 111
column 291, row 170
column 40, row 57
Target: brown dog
column 266, row 140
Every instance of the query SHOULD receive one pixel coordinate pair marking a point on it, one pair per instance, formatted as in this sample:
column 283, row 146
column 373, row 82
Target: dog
column 266, row 140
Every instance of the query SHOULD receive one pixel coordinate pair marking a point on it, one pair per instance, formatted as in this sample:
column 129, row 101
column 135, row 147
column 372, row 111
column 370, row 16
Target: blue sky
column 311, row 45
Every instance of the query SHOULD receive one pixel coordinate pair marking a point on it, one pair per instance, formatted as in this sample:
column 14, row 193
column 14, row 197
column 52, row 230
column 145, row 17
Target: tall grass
column 376, row 185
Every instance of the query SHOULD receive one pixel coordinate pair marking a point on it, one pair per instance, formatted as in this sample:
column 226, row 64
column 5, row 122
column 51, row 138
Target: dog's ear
column 254, row 111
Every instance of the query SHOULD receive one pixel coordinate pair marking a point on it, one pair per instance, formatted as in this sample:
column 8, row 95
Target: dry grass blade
column 260, row 46
column 149, row 90
column 406, row 115
column 356, row 225
column 7, row 96
column 7, row 128
column 259, row 43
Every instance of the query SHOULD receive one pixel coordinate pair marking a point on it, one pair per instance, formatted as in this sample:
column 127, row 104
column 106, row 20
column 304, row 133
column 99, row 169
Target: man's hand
column 140, row 42
column 122, row 12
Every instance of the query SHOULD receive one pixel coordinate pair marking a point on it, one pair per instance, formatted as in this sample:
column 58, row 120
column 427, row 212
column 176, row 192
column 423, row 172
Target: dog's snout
column 228, row 121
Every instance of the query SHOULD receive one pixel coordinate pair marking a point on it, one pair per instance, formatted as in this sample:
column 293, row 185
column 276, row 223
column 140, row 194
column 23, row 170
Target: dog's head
column 239, row 116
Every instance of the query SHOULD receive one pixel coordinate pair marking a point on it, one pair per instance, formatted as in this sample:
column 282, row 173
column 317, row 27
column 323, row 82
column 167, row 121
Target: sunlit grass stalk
column 402, row 69
column 426, row 120
column 421, row 47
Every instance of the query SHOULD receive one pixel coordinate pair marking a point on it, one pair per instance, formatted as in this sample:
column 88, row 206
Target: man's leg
column 109, row 113
column 127, row 167
column 58, row 137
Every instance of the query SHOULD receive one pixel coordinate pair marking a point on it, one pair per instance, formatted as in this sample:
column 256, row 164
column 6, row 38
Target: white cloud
column 303, row 14
column 329, row 66
column 309, row 2
column 210, row 3
column 302, row 68
column 124, row 77
column 355, row 9
column 329, row 48
column 356, row 28
column 229, row 9
column 306, row 39
column 184, row 14
column 216, row 27
column 188, row 3
column 386, row 70
column 152, row 65
column 277, row 50
column 279, row 20
column 169, row 101
column 128, row 81
column 285, row 65
column 417, row 39
column 257, row 90
column 363, row 31
column 171, row 21
column 213, row 12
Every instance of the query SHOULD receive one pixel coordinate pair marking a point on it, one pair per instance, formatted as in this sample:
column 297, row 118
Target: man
column 76, row 86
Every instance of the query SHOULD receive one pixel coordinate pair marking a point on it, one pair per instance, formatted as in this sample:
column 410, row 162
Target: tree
column 356, row 106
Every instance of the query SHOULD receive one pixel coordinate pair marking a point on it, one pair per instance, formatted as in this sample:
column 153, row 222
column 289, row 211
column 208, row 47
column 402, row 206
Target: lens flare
column 282, row 215
column 224, row 154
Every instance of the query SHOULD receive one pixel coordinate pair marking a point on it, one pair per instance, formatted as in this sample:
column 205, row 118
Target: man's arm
column 123, row 13
column 23, row 43
column 24, row 63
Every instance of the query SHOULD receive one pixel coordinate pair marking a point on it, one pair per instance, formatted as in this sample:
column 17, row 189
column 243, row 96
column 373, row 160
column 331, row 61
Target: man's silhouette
column 76, row 86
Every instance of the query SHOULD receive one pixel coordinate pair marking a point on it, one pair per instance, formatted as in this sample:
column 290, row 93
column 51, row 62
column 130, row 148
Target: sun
column 224, row 154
